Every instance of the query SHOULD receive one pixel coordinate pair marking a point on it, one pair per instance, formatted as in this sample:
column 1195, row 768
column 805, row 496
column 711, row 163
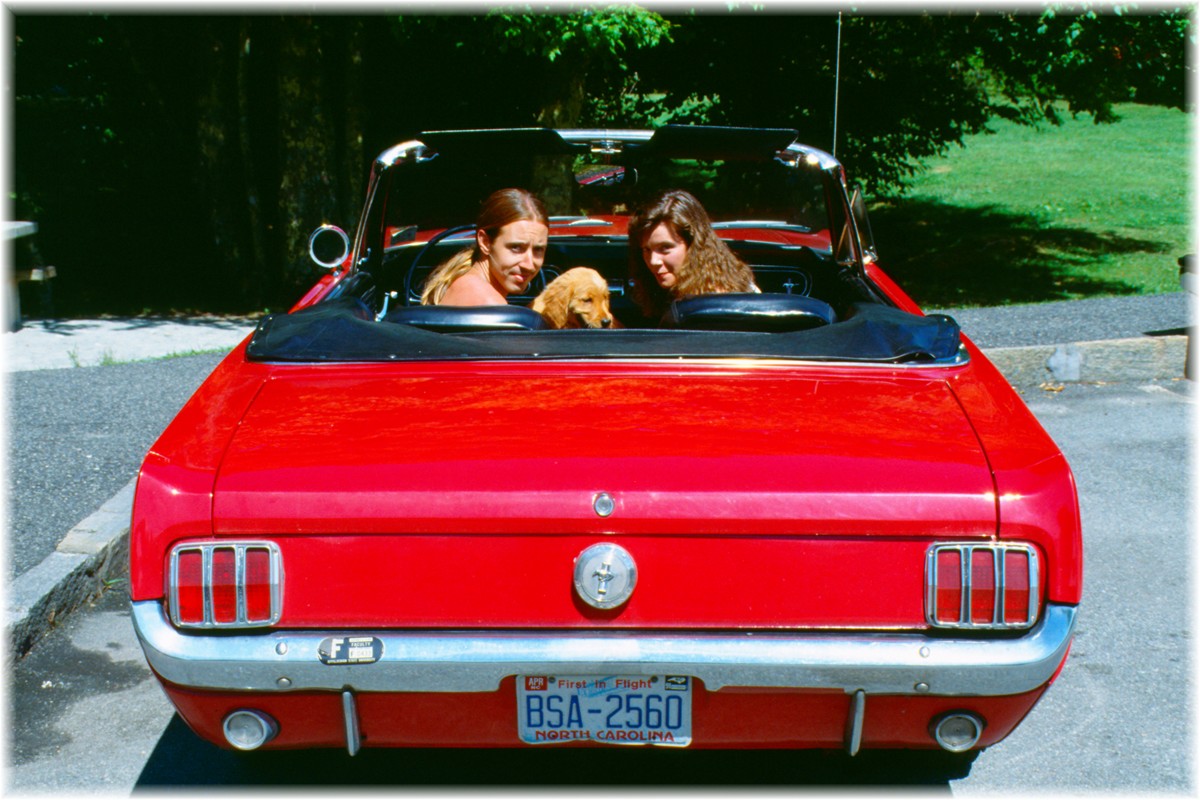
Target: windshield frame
column 632, row 147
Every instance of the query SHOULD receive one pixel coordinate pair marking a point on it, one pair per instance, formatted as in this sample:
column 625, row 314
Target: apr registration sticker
column 614, row 709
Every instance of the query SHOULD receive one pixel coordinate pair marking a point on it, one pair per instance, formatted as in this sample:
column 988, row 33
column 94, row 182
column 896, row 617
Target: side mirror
column 329, row 246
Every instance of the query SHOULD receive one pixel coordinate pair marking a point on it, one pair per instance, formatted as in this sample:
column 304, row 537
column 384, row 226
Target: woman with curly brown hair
column 510, row 245
column 673, row 238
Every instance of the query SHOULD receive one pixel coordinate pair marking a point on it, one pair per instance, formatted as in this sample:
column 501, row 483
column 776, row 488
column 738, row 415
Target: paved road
column 87, row 716
column 77, row 436
column 1074, row 320
column 1118, row 718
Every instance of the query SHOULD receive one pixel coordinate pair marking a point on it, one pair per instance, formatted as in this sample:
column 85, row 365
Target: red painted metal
column 741, row 718
column 485, row 581
column 458, row 494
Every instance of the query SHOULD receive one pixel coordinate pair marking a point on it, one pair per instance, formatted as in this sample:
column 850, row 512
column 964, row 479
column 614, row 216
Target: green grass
column 1028, row 215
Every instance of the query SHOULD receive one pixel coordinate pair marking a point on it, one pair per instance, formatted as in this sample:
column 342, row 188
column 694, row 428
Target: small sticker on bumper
column 350, row 650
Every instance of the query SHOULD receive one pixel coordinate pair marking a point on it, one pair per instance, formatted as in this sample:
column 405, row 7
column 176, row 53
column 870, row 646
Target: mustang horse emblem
column 605, row 575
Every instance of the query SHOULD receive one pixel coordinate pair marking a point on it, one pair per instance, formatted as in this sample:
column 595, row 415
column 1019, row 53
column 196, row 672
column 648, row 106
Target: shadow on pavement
column 70, row 327
column 947, row 255
column 181, row 759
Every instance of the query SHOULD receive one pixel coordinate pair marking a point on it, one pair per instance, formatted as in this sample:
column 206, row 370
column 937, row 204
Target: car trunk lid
column 488, row 471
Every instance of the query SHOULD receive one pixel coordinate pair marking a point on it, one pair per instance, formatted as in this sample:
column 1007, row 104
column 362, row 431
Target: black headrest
column 464, row 319
column 766, row 313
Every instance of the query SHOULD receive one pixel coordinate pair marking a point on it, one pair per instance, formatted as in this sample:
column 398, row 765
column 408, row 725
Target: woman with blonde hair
column 673, row 238
column 510, row 245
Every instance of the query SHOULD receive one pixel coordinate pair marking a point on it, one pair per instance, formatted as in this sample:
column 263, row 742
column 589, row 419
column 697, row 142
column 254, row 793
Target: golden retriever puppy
column 578, row 298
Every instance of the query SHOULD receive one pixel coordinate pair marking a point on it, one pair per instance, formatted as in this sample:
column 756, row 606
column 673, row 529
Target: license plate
column 612, row 709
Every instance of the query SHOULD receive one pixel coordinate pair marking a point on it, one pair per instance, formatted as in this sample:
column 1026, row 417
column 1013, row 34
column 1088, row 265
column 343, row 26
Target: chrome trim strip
column 959, row 359
column 623, row 135
column 206, row 587
column 470, row 661
column 239, row 584
column 965, row 580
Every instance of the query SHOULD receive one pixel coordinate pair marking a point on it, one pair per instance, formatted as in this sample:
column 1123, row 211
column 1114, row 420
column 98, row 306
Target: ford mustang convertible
column 806, row 517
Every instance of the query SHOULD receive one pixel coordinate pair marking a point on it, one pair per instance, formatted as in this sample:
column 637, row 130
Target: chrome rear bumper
column 474, row 661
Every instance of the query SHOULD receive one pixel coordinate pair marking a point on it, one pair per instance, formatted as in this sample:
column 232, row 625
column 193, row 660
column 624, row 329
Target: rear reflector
column 1017, row 572
column 948, row 581
column 258, row 583
column 981, row 586
column 225, row 585
column 187, row 581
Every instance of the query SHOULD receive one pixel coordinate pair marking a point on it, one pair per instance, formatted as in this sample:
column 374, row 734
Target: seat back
column 467, row 319
column 767, row 313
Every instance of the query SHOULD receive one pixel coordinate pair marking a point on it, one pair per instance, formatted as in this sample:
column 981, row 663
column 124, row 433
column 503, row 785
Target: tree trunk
column 259, row 277
column 320, row 134
column 222, row 164
column 552, row 178
column 352, row 163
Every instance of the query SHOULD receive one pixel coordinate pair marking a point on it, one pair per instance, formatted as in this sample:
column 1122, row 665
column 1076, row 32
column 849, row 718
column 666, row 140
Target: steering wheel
column 412, row 268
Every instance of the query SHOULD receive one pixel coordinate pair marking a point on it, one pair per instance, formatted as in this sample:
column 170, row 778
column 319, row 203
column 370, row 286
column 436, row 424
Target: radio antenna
column 837, row 81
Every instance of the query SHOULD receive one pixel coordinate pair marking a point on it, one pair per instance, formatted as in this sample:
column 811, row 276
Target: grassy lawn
column 1025, row 215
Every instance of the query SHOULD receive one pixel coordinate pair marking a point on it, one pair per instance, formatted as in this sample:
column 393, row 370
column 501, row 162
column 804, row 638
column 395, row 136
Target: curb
column 92, row 552
column 1144, row 358
column 98, row 547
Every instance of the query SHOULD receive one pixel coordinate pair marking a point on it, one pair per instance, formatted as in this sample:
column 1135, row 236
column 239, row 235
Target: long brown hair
column 500, row 208
column 710, row 266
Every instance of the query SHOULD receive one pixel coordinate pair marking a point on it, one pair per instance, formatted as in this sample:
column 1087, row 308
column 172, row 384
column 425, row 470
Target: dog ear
column 551, row 303
column 545, row 297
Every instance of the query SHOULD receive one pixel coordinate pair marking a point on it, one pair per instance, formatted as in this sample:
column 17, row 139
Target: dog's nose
column 604, row 323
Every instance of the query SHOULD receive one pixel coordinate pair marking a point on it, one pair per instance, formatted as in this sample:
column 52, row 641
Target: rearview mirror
column 606, row 175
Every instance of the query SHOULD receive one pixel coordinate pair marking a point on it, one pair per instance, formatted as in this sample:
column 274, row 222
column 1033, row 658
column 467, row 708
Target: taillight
column 1020, row 578
column 981, row 586
column 225, row 585
column 948, row 583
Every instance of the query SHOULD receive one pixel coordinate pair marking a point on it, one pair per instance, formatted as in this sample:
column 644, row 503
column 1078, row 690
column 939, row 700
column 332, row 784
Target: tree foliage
column 1086, row 59
column 190, row 155
column 907, row 87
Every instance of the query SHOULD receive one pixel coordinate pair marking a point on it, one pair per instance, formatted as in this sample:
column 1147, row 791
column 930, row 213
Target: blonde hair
column 445, row 274
column 710, row 266
column 501, row 208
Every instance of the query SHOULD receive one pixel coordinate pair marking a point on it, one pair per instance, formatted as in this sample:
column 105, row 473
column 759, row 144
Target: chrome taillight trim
column 239, row 549
column 999, row 564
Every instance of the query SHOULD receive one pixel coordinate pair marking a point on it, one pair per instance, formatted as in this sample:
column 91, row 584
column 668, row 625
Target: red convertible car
column 810, row 517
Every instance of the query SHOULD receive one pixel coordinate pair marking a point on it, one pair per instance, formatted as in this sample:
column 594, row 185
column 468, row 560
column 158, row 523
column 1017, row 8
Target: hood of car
column 529, row 449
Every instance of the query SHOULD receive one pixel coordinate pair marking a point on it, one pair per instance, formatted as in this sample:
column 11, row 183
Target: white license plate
column 612, row 709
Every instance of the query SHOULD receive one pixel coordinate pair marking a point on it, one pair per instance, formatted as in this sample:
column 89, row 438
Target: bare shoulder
column 471, row 290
